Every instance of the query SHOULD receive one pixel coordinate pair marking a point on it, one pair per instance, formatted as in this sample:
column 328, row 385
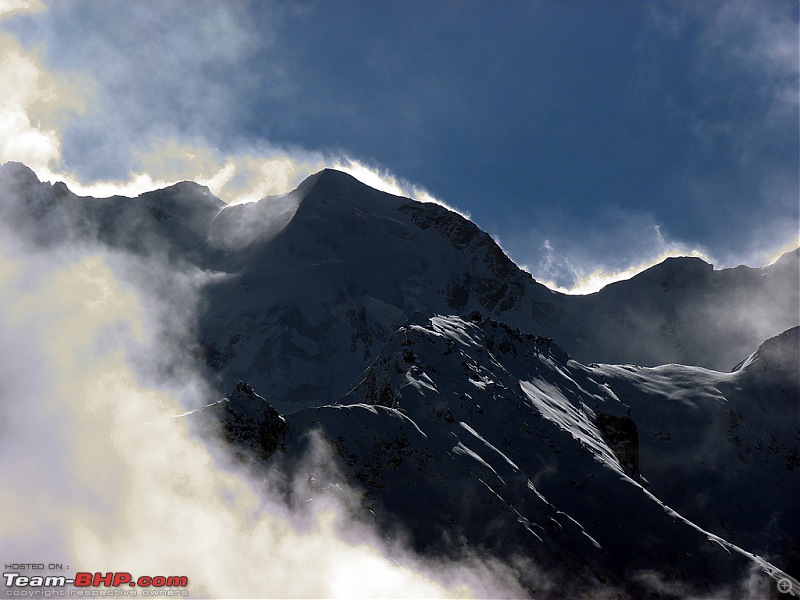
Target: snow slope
column 467, row 434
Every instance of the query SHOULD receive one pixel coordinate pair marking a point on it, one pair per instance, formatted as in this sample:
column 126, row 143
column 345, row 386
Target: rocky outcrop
column 622, row 436
column 251, row 424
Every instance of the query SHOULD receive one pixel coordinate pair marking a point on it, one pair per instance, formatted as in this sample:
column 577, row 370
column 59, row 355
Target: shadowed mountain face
column 308, row 307
column 454, row 391
column 173, row 222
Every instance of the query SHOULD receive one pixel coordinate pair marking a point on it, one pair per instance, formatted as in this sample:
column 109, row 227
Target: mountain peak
column 18, row 172
column 186, row 193
column 189, row 185
column 673, row 272
column 331, row 182
column 789, row 258
column 329, row 175
column 778, row 353
column 683, row 264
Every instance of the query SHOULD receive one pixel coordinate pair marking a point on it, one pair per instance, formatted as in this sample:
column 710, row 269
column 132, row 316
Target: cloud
column 737, row 45
column 240, row 178
column 42, row 106
column 167, row 97
column 597, row 279
column 713, row 95
column 246, row 175
column 250, row 177
column 15, row 6
column 762, row 41
column 160, row 108
column 159, row 71
column 787, row 247
column 235, row 178
column 33, row 99
column 35, row 102
column 151, row 107
column 39, row 105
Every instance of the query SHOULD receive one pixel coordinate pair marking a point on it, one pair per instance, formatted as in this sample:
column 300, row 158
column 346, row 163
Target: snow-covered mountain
column 314, row 282
column 313, row 296
column 471, row 434
column 585, row 440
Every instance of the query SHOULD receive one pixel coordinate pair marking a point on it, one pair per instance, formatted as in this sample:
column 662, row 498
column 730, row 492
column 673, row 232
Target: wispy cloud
column 161, row 106
column 235, row 178
column 158, row 100
column 734, row 95
column 716, row 82
column 384, row 180
column 588, row 260
column 150, row 107
column 597, row 279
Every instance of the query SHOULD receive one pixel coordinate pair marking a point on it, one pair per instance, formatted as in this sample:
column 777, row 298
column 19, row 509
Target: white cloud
column 253, row 177
column 138, row 183
column 755, row 44
column 236, row 179
column 737, row 99
column 41, row 106
column 12, row 6
column 38, row 107
column 775, row 254
column 20, row 139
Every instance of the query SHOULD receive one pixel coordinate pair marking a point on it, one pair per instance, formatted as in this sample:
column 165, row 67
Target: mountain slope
column 469, row 434
column 172, row 222
column 308, row 308
column 683, row 311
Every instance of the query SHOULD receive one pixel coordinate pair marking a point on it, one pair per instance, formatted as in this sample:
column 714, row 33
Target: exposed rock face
column 251, row 424
column 778, row 354
column 495, row 281
column 622, row 437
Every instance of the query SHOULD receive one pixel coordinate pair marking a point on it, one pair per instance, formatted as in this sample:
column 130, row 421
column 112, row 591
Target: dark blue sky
column 585, row 135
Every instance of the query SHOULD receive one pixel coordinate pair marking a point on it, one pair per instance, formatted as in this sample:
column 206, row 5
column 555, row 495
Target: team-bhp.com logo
column 94, row 584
